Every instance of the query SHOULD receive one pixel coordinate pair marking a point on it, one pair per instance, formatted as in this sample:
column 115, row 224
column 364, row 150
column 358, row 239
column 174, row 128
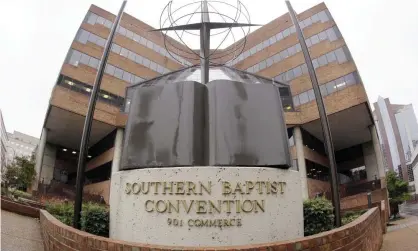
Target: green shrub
column 351, row 216
column 94, row 217
column 317, row 216
column 22, row 194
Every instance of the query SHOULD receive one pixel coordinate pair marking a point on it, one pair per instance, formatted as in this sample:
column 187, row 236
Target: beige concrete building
column 272, row 51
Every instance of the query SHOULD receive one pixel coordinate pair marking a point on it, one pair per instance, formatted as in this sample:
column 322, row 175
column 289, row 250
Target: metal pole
column 81, row 167
column 369, row 199
column 322, row 116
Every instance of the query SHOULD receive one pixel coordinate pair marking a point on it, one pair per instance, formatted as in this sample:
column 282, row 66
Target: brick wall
column 317, row 186
column 363, row 234
column 99, row 188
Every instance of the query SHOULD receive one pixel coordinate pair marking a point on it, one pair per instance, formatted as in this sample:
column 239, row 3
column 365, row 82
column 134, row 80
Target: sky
column 382, row 36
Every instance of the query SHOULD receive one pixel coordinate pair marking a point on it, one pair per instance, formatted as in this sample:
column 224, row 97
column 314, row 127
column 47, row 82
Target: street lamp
column 81, row 166
column 335, row 193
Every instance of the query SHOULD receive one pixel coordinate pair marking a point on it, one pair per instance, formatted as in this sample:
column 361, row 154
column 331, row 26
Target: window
column 101, row 42
column 322, row 60
column 292, row 50
column 315, row 63
column 122, row 31
column 131, row 56
column 110, row 69
column 322, row 36
column 330, row 87
column 124, row 52
column 153, row 66
column 296, row 100
column 272, row 40
column 279, row 36
column 290, row 75
column 75, row 57
column 303, row 98
column 307, row 22
column 146, row 62
column 137, row 38
column 92, row 18
column 269, row 62
column 127, row 76
column 85, row 59
column 308, row 42
column 297, row 71
column 311, row 95
column 118, row 73
column 138, row 59
column 276, row 58
column 331, row 34
column 263, row 65
column 129, row 34
column 116, row 48
column 94, row 62
column 284, row 54
column 315, row 18
column 286, row 32
column 350, row 79
column 82, row 36
column 304, row 69
column 323, row 17
column 298, row 48
column 259, row 47
column 340, row 83
column 108, row 24
column 93, row 38
column 100, row 20
column 266, row 43
column 253, row 50
column 323, row 89
column 292, row 29
column 331, row 57
column 341, row 57
column 314, row 39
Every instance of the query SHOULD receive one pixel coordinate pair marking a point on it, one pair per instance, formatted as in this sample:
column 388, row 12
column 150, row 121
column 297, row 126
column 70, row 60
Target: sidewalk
column 20, row 233
column 402, row 235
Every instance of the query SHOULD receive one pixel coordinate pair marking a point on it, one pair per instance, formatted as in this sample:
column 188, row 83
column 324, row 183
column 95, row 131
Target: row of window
column 139, row 59
column 83, row 36
column 323, row 16
column 341, row 55
column 92, row 19
column 328, row 88
column 75, row 58
column 79, row 87
column 330, row 34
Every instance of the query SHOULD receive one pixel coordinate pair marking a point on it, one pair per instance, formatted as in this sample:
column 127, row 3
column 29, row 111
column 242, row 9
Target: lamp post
column 81, row 166
column 322, row 116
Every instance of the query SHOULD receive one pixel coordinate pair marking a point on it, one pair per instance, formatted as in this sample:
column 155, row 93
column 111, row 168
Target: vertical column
column 297, row 135
column 118, row 150
column 378, row 152
column 39, row 158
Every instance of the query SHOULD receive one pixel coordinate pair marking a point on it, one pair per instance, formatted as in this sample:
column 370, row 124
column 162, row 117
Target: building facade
column 3, row 143
column 398, row 131
column 272, row 51
column 21, row 145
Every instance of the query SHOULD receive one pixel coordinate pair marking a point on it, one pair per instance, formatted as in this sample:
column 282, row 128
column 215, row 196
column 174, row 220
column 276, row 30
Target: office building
column 3, row 143
column 21, row 145
column 271, row 52
column 398, row 133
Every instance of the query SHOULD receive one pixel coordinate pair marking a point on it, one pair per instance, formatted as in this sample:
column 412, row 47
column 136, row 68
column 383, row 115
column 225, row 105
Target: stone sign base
column 206, row 206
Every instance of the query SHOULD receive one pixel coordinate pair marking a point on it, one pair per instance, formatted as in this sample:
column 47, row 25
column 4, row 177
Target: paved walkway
column 403, row 234
column 20, row 233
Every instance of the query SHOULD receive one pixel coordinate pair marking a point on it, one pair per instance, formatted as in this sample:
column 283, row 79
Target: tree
column 398, row 192
column 20, row 173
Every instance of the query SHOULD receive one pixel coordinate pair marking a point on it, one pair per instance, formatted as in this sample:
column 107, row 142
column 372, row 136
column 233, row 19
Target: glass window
column 272, row 40
column 118, row 73
column 315, row 63
column 160, row 69
column 269, row 62
column 100, row 20
column 284, row 54
column 108, row 24
column 124, row 52
column 341, row 58
column 303, row 98
column 311, row 95
column 331, row 34
column 122, row 31
column 143, row 41
column 137, row 38
column 101, row 42
column 263, row 65
column 322, row 60
column 292, row 29
column 94, row 62
column 323, row 16
column 138, row 59
column 330, row 87
column 296, row 100
column 82, row 36
column 337, row 31
column 110, row 69
column 286, row 32
column 259, row 47
column 297, row 71
column 298, row 48
column 323, row 89
column 153, row 66
column 127, row 76
column 246, row 54
column 322, row 36
column 340, row 83
column 350, row 79
column 304, row 69
column 129, row 34
column 85, row 59
column 308, row 42
column 92, row 18
column 145, row 62
column 291, row 50
column 116, row 48
column 314, row 39
column 250, row 69
column 137, row 79
column 331, row 57
column 307, row 22
column 266, row 43
column 279, row 36
column 253, row 50
column 301, row 24
column 93, row 38
column 131, row 55
column 290, row 75
column 75, row 57
column 150, row 44
column 277, row 58
column 315, row 18
column 256, row 67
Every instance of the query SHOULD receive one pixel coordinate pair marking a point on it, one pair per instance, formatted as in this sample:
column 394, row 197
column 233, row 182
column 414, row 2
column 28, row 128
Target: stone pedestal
column 206, row 206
